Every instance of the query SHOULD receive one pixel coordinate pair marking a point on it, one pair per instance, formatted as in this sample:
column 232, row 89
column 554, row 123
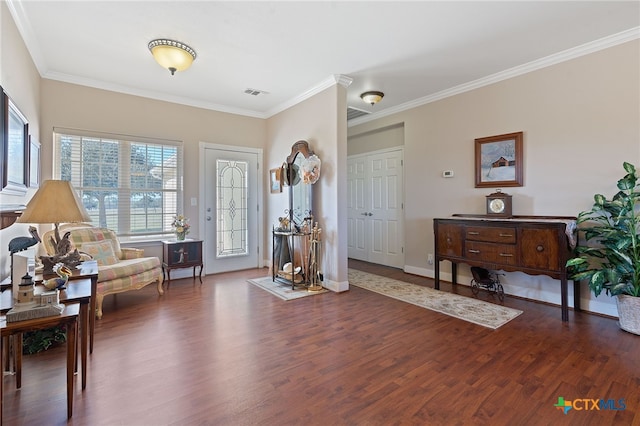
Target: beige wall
column 377, row 139
column 581, row 120
column 20, row 79
column 321, row 121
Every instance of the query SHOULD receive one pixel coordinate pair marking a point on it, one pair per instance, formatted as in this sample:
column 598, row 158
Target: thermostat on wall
column 447, row 173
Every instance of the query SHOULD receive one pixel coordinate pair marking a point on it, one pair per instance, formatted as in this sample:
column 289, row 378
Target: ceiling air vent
column 255, row 92
column 355, row 113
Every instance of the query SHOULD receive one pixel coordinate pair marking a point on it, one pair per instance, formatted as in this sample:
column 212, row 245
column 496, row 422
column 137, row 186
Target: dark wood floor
column 228, row 353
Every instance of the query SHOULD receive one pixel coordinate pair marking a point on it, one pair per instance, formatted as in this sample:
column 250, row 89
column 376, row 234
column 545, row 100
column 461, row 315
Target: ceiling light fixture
column 171, row 54
column 372, row 97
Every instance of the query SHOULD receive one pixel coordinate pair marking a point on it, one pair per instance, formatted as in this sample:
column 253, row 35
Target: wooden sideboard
column 535, row 245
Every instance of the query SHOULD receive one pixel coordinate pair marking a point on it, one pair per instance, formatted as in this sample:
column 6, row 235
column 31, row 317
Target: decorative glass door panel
column 231, row 209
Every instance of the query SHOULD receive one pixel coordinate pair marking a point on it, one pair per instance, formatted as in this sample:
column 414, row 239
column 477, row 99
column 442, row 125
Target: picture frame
column 15, row 148
column 34, row 163
column 275, row 178
column 499, row 161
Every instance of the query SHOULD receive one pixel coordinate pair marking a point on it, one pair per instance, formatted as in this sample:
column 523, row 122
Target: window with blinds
column 130, row 185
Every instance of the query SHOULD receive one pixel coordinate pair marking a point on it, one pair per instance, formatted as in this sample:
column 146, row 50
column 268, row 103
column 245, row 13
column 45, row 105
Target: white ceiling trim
column 27, row 33
column 96, row 84
column 566, row 55
column 332, row 80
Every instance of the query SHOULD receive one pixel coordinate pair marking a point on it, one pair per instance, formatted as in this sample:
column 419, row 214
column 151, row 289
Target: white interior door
column 231, row 210
column 376, row 207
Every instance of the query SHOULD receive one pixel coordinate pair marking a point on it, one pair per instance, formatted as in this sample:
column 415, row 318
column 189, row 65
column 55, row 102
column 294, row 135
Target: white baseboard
column 540, row 291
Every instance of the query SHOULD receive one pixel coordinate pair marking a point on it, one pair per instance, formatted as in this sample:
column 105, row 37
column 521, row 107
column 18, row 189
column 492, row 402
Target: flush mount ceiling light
column 372, row 97
column 171, row 54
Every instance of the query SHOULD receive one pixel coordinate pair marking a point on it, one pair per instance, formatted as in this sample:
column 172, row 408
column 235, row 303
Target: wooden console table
column 535, row 245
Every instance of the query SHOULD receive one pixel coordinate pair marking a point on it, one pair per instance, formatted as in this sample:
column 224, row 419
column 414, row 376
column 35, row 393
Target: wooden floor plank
column 228, row 353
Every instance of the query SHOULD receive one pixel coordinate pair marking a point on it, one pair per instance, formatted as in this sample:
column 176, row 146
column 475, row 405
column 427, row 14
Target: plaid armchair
column 120, row 269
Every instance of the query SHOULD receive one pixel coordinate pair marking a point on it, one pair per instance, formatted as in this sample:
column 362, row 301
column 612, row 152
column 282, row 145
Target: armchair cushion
column 102, row 252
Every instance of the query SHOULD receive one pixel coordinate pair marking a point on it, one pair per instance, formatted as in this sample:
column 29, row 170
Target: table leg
column 1, row 381
column 17, row 340
column 92, row 312
column 563, row 299
column 71, row 355
column 84, row 329
column 199, row 275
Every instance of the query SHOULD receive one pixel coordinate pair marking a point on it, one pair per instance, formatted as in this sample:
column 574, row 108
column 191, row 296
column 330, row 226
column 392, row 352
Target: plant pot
column 629, row 313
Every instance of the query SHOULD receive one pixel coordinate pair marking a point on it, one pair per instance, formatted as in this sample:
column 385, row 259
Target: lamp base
column 70, row 260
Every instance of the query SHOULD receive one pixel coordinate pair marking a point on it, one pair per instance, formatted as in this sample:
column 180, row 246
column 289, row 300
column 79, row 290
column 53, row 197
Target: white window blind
column 129, row 184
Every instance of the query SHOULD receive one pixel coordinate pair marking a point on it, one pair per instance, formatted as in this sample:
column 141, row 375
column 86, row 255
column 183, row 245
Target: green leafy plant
column 611, row 264
column 41, row 340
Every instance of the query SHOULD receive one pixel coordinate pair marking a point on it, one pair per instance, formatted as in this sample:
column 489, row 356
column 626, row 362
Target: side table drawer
column 490, row 234
column 491, row 253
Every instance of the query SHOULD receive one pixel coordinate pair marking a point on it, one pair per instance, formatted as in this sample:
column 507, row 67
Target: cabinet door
column 539, row 249
column 450, row 239
column 184, row 253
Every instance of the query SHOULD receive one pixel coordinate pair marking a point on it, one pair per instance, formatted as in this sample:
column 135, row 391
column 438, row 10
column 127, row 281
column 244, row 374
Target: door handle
column 209, row 218
column 366, row 214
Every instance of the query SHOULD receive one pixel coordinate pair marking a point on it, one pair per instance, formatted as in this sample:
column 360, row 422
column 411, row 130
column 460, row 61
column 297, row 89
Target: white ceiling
column 411, row 51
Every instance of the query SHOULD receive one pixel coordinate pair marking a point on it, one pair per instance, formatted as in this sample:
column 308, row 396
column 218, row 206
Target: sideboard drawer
column 504, row 254
column 491, row 234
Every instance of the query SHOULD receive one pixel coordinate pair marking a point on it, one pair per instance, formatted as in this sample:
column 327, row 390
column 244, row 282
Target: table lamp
column 56, row 201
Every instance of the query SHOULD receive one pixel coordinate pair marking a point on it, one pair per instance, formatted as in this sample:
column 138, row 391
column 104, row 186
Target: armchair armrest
column 131, row 253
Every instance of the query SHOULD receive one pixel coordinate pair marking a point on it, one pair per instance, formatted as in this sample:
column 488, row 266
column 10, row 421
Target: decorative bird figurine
column 23, row 243
column 64, row 245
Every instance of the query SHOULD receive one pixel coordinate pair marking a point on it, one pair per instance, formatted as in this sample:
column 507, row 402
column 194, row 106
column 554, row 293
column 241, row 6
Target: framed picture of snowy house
column 499, row 161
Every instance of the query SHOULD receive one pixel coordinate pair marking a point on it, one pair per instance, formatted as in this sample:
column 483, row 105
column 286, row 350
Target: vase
column 629, row 313
column 180, row 236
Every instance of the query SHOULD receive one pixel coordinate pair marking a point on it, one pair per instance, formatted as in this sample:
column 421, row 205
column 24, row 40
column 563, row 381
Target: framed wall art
column 15, row 148
column 499, row 161
column 275, row 177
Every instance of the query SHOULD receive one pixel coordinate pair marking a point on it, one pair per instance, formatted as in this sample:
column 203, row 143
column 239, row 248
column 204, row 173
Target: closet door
column 376, row 207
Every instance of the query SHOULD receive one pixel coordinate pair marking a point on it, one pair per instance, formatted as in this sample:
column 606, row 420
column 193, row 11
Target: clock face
column 497, row 205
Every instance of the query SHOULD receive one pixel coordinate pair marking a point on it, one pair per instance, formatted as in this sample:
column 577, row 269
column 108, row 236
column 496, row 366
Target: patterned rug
column 283, row 291
column 464, row 308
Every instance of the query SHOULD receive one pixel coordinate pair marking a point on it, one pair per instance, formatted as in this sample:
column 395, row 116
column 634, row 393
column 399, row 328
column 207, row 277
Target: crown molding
column 556, row 58
column 25, row 29
column 96, row 84
column 330, row 81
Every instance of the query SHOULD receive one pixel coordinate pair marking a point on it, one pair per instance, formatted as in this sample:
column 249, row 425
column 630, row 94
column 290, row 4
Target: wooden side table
column 181, row 254
column 68, row 318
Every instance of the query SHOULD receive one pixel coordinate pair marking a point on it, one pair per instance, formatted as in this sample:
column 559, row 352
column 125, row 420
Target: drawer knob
column 540, row 248
column 474, row 251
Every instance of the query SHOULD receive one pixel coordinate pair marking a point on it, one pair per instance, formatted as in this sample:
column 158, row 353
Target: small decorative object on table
column 180, row 226
column 59, row 283
column 29, row 305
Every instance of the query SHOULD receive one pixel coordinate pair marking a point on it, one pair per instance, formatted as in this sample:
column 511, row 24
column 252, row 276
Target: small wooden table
column 78, row 292
column 90, row 271
column 181, row 254
column 68, row 318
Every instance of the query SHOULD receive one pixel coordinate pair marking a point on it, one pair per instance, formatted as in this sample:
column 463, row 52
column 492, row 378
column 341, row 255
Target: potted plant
column 610, row 260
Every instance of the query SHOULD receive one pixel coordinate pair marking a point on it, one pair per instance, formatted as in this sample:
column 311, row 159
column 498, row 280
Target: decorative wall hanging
column 499, row 161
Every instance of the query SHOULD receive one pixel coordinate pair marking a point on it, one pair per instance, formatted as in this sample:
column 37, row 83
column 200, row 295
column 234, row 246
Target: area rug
column 461, row 307
column 283, row 291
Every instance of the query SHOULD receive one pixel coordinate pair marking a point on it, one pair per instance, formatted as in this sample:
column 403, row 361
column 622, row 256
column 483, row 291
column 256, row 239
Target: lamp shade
column 56, row 201
column 172, row 55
